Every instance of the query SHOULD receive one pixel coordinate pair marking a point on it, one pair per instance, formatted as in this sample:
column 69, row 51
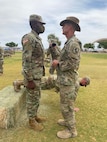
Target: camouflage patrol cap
column 52, row 40
column 37, row 18
column 87, row 80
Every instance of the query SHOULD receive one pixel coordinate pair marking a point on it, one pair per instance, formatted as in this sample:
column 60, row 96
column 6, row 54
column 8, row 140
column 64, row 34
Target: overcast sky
column 14, row 18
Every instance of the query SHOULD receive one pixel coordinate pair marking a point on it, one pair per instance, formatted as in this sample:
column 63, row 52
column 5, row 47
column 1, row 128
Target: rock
column 11, row 104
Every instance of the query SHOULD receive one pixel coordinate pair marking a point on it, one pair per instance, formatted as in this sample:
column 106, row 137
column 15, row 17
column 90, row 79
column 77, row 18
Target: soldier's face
column 66, row 28
column 83, row 82
column 41, row 28
column 37, row 26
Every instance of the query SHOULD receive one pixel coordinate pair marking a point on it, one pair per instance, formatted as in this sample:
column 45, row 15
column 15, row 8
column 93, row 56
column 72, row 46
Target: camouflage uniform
column 1, row 60
column 33, row 62
column 67, row 77
column 54, row 51
column 77, row 86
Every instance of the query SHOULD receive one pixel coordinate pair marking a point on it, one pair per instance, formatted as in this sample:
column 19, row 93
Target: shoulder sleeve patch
column 75, row 50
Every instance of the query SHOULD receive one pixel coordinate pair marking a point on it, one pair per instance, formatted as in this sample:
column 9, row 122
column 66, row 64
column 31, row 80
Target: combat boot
column 61, row 122
column 17, row 85
column 65, row 134
column 35, row 125
column 40, row 119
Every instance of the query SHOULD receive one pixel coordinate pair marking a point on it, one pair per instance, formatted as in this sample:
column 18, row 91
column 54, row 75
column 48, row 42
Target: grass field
column 91, row 119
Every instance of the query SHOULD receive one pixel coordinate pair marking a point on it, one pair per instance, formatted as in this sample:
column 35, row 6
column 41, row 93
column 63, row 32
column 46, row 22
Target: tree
column 89, row 45
column 52, row 36
column 103, row 45
column 11, row 44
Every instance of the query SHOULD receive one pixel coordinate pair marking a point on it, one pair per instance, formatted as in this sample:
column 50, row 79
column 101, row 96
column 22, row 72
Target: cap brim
column 69, row 21
column 37, row 21
column 43, row 23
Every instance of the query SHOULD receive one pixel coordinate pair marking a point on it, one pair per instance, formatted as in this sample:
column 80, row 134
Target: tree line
column 102, row 44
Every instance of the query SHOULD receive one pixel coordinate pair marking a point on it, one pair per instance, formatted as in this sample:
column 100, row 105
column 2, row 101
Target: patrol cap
column 52, row 40
column 37, row 18
column 72, row 20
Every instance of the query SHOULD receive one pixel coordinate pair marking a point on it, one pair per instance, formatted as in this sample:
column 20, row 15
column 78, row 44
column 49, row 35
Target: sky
column 14, row 19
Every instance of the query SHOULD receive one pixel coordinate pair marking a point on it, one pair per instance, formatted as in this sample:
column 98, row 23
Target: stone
column 11, row 104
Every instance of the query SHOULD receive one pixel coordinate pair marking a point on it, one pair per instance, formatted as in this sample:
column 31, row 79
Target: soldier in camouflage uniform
column 68, row 66
column 1, row 60
column 53, row 50
column 33, row 65
column 51, row 82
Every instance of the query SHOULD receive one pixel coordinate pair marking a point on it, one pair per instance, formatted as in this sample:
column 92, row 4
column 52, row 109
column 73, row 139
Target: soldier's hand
column 55, row 63
column 31, row 85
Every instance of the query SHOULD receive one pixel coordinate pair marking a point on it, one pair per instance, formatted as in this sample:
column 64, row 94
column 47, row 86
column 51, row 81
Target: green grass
column 91, row 119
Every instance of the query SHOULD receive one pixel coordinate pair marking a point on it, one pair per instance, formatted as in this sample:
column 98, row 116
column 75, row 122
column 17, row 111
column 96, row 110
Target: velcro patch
column 25, row 40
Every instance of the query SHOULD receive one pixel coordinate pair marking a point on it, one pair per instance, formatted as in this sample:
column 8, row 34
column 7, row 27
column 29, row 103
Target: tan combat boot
column 61, row 122
column 65, row 134
column 35, row 125
column 40, row 119
column 17, row 85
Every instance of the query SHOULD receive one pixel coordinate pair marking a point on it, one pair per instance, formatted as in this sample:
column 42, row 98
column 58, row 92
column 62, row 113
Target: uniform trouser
column 1, row 66
column 33, row 99
column 67, row 98
column 52, row 69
